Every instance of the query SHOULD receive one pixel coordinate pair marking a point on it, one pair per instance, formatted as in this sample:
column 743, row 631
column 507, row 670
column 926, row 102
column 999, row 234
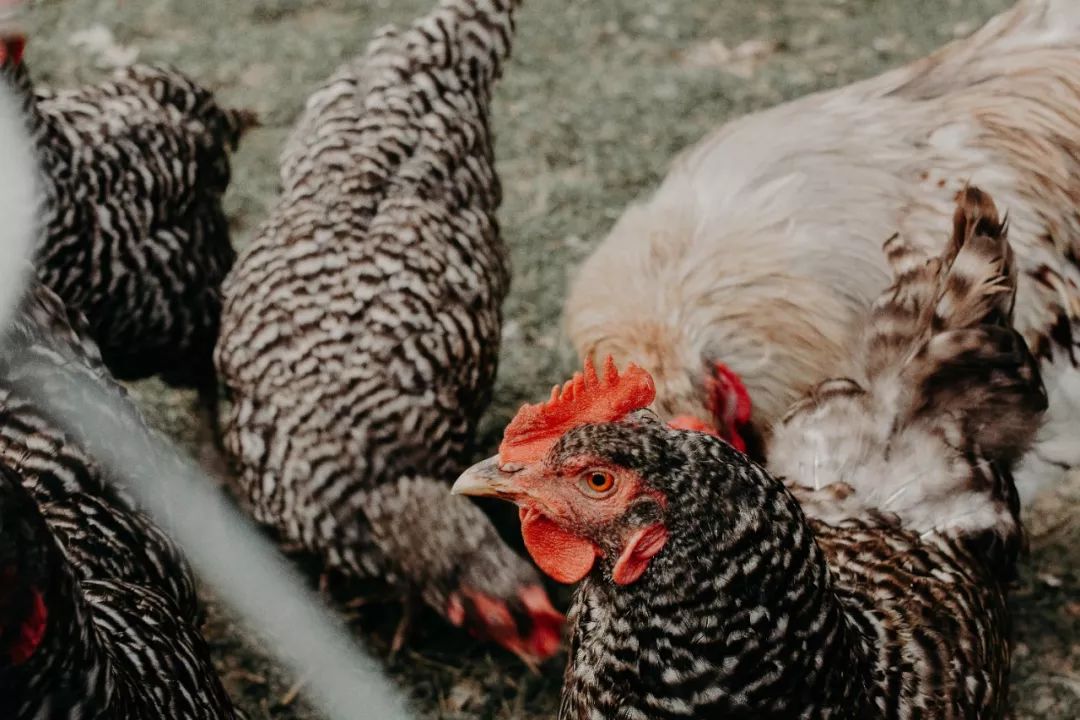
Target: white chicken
column 760, row 251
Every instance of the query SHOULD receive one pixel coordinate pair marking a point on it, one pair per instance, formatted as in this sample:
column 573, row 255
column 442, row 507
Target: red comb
column 587, row 398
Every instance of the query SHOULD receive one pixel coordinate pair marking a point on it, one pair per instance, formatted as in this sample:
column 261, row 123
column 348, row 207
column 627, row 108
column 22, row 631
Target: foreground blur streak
column 18, row 195
column 245, row 571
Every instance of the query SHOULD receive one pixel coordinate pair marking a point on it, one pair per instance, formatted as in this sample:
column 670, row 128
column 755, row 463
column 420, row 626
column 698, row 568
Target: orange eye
column 599, row 482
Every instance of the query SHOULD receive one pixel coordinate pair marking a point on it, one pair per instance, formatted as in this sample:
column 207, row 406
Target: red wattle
column 546, row 637
column 735, row 439
column 455, row 610
column 732, row 386
column 12, row 49
column 565, row 557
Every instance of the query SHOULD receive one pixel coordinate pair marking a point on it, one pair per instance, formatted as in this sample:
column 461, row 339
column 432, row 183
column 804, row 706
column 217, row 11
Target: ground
column 598, row 98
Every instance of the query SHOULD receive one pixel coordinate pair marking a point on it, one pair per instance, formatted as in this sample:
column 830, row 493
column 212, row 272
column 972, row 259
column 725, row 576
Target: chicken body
column 134, row 171
column 361, row 328
column 760, row 250
column 754, row 610
column 864, row 576
column 98, row 610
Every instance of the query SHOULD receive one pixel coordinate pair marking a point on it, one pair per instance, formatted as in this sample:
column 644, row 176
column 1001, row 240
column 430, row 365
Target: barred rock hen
column 872, row 585
column 760, row 250
column 135, row 235
column 361, row 329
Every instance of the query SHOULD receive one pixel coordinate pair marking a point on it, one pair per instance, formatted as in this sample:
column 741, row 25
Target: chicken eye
column 599, row 483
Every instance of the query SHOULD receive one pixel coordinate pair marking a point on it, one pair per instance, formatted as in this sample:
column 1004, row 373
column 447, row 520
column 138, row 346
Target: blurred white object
column 19, row 193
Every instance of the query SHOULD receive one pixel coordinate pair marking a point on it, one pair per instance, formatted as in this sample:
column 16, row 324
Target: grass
column 598, row 98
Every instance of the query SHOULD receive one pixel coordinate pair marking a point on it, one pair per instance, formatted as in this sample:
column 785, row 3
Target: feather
column 135, row 237
column 945, row 403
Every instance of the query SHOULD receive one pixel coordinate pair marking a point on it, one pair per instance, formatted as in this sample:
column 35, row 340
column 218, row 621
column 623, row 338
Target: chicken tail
column 239, row 122
column 173, row 89
column 972, row 282
column 474, row 36
column 943, row 331
column 950, row 399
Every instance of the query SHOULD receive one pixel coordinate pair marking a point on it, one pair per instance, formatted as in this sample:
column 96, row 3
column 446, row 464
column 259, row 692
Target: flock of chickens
column 788, row 480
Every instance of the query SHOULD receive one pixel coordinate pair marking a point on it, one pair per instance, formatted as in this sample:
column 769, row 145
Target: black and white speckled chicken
column 98, row 609
column 97, row 606
column 869, row 583
column 135, row 236
column 361, row 328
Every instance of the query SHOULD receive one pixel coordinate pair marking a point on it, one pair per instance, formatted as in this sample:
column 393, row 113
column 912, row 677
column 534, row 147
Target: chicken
column 135, row 236
column 361, row 329
column 759, row 252
column 78, row 640
column 863, row 576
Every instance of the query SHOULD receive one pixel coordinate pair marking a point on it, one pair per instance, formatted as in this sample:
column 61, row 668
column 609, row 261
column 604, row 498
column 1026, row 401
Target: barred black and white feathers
column 868, row 581
column 98, row 609
column 361, row 328
column 135, row 236
column 97, row 605
column 906, row 472
column 91, row 645
column 47, row 350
